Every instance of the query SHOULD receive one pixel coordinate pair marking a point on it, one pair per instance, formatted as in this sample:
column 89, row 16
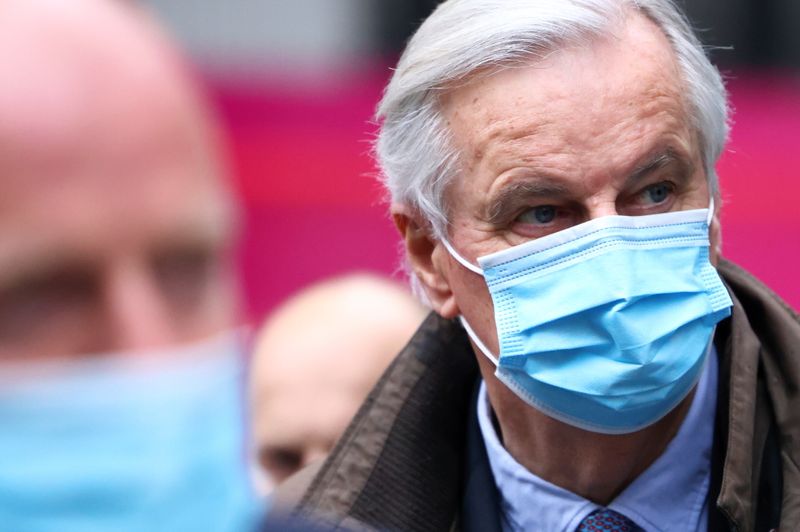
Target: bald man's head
column 114, row 219
column 316, row 359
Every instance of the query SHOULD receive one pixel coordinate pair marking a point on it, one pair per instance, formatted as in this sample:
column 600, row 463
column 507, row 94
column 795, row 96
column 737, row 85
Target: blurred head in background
column 120, row 378
column 316, row 358
column 114, row 219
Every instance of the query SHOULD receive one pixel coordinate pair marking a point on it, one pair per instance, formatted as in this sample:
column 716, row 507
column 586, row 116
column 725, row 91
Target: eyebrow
column 517, row 192
column 35, row 269
column 658, row 160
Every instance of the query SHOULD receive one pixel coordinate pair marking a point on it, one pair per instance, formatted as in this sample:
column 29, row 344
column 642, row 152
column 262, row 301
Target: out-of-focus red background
column 313, row 207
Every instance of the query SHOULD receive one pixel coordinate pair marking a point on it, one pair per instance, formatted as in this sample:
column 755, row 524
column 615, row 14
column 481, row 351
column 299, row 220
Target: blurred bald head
column 316, row 359
column 114, row 217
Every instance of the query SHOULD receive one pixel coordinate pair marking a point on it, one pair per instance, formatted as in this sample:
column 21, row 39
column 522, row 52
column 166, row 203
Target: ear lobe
column 421, row 250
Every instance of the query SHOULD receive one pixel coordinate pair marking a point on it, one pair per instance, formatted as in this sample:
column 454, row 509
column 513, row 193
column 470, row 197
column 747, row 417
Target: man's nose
column 597, row 208
column 137, row 316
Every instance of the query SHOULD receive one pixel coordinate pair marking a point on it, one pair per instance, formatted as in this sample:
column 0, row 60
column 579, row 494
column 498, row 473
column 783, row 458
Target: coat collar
column 758, row 406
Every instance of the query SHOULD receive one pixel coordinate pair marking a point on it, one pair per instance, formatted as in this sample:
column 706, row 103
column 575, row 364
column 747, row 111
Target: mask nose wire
column 475, row 269
column 461, row 260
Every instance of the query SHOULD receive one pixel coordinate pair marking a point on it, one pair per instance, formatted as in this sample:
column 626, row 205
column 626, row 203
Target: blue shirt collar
column 670, row 495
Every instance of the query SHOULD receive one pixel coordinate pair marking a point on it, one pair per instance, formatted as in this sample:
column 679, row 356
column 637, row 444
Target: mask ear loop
column 464, row 262
column 471, row 267
column 477, row 340
column 710, row 211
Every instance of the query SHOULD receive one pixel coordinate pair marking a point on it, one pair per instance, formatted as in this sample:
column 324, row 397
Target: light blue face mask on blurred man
column 151, row 442
column 606, row 325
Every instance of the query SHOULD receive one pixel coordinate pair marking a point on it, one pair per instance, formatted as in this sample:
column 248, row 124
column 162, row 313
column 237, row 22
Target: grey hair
column 463, row 37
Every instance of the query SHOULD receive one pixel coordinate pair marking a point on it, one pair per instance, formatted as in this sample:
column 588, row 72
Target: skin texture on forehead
column 108, row 158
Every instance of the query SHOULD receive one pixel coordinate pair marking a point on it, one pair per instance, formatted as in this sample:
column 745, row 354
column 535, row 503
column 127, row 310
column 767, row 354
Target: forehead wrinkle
column 476, row 99
column 653, row 96
column 523, row 153
column 501, row 136
column 642, row 128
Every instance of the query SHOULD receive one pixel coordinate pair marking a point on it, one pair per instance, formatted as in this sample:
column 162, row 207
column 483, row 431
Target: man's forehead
column 97, row 117
column 83, row 69
column 61, row 161
column 635, row 56
column 128, row 177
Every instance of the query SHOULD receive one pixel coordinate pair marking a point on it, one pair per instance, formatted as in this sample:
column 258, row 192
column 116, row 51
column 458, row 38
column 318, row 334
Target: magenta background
column 312, row 206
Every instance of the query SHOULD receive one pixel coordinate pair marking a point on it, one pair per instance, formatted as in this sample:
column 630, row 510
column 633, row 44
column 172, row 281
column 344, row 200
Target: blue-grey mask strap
column 710, row 211
column 464, row 262
column 474, row 338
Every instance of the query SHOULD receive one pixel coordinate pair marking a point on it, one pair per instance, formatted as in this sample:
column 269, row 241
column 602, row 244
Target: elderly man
column 592, row 362
column 120, row 377
column 315, row 360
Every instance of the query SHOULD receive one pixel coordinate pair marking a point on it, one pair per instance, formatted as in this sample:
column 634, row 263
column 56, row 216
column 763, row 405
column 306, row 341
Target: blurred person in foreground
column 120, row 369
column 315, row 360
column 592, row 362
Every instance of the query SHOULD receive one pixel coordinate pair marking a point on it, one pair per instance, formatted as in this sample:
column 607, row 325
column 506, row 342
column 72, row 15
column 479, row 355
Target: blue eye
column 658, row 193
column 543, row 214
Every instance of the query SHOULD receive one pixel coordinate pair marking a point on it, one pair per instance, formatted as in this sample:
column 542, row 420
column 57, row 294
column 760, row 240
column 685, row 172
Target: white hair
column 461, row 37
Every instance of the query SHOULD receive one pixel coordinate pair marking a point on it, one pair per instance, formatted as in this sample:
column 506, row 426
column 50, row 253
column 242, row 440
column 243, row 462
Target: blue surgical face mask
column 606, row 325
column 151, row 441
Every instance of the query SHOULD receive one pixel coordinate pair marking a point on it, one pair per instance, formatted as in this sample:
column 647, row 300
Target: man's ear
column 423, row 252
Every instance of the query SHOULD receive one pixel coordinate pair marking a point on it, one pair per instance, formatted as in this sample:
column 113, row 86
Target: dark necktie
column 607, row 521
